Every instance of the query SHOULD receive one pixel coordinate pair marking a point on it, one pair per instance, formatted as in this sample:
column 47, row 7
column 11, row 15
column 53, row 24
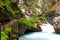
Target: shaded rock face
column 54, row 19
column 22, row 29
column 38, row 29
column 56, row 24
column 50, row 17
column 4, row 15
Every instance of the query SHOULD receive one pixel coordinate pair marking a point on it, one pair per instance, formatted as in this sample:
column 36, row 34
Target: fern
column 29, row 23
column 8, row 6
column 4, row 34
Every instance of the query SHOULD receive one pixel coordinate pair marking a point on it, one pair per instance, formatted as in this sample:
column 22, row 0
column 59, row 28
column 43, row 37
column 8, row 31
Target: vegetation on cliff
column 5, row 33
column 28, row 12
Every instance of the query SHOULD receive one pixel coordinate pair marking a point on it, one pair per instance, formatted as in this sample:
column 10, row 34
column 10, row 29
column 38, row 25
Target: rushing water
column 46, row 34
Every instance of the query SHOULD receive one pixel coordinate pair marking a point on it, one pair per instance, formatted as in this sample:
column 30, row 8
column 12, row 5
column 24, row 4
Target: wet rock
column 54, row 18
column 56, row 24
column 22, row 29
column 38, row 29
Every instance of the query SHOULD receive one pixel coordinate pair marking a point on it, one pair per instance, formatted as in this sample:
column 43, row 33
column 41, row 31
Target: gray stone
column 56, row 24
column 54, row 18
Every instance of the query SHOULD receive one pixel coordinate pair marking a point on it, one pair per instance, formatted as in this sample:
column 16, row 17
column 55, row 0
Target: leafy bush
column 4, row 34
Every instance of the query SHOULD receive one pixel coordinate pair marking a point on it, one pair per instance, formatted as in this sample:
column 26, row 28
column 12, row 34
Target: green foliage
column 7, row 29
column 43, row 4
column 8, row 6
column 42, row 17
column 29, row 2
column 4, row 34
column 34, row 10
column 13, row 1
column 29, row 23
column 1, row 4
column 43, row 9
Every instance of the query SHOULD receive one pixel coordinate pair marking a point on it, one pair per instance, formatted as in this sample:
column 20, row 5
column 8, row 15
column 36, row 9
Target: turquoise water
column 46, row 34
column 40, row 36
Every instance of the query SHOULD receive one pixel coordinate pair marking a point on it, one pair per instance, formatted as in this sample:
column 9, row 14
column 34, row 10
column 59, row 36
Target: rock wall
column 56, row 24
column 54, row 18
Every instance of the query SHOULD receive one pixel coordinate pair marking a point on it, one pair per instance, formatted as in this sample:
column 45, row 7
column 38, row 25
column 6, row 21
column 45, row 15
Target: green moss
column 4, row 34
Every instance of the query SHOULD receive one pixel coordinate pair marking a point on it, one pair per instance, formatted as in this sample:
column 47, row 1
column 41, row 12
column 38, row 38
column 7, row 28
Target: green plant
column 42, row 17
column 29, row 23
column 4, row 34
column 13, row 0
column 34, row 10
column 8, row 6
column 7, row 29
column 1, row 4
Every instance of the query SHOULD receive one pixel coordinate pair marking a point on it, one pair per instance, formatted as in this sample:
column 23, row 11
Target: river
column 48, row 33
